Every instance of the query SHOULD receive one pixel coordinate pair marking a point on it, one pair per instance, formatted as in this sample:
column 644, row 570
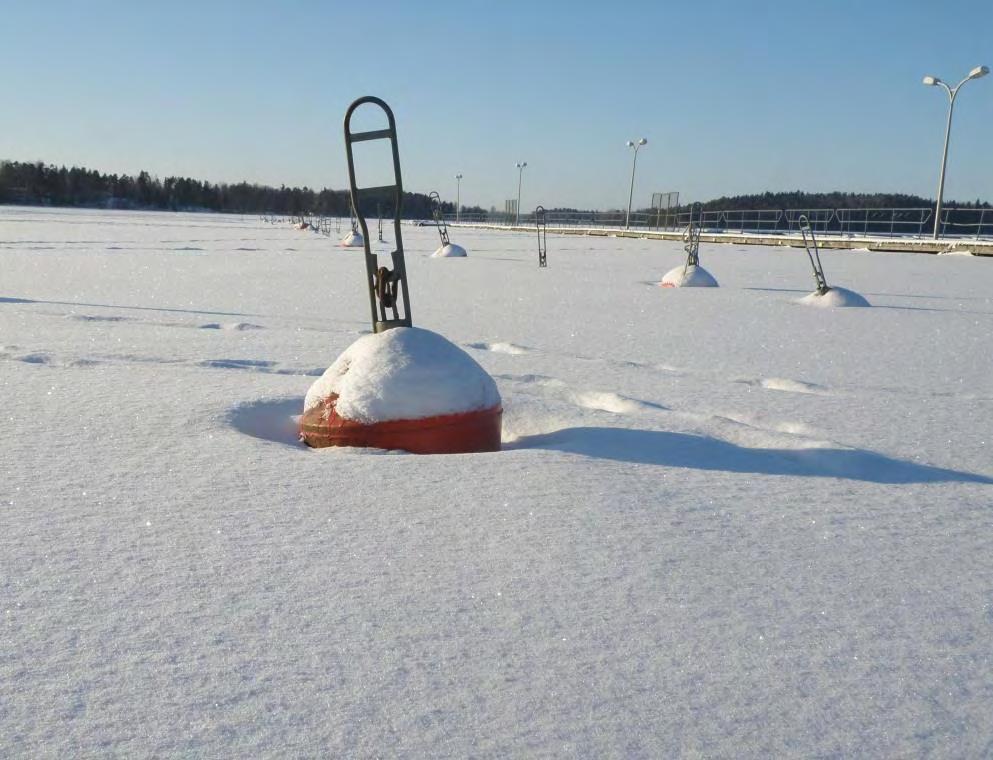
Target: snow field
column 722, row 524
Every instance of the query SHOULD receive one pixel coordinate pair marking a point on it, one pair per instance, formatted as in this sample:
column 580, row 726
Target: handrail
column 874, row 222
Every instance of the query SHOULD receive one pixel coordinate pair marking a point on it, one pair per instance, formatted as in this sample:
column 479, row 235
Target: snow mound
column 503, row 348
column 694, row 277
column 352, row 240
column 450, row 251
column 956, row 252
column 406, row 373
column 834, row 297
column 238, row 326
column 790, row 386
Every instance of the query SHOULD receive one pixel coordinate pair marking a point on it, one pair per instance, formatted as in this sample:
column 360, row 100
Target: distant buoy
column 450, row 251
column 835, row 297
column 352, row 240
column 406, row 388
column 688, row 277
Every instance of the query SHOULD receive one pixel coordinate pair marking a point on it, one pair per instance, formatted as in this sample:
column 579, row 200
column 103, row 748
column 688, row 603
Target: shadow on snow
column 270, row 420
column 705, row 453
column 133, row 308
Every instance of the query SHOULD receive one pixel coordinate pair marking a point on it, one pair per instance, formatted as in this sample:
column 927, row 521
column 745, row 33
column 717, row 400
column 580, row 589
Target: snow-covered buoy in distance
column 450, row 251
column 690, row 274
column 824, row 295
column 353, row 239
column 406, row 388
column 834, row 296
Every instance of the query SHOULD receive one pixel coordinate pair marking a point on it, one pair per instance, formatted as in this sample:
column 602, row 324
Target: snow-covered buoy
column 353, row 239
column 824, row 296
column 834, row 296
column 690, row 274
column 400, row 387
column 405, row 388
column 450, row 251
column 688, row 277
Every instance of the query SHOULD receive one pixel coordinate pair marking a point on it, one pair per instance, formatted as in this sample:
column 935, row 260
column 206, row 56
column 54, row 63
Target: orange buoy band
column 466, row 432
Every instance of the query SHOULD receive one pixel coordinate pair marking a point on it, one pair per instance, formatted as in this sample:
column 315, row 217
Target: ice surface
column 723, row 525
column 406, row 373
column 688, row 277
column 450, row 251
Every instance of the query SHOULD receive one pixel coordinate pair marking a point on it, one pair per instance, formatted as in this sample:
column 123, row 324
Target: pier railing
column 845, row 222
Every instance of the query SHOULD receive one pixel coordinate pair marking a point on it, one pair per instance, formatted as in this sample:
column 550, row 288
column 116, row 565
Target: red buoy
column 399, row 387
column 466, row 432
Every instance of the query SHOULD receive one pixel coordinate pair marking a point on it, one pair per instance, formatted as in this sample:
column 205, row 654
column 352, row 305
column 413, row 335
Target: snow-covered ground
column 723, row 523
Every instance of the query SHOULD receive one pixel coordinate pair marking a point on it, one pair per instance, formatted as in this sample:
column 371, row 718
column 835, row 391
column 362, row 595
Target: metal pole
column 976, row 73
column 458, row 197
column 520, row 179
column 634, row 164
column 944, row 162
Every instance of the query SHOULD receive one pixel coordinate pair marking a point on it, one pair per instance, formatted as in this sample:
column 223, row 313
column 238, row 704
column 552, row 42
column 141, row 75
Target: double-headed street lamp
column 976, row 73
column 458, row 196
column 521, row 165
column 635, row 145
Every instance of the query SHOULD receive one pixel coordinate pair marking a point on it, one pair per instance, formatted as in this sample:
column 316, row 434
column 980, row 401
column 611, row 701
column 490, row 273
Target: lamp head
column 643, row 141
column 931, row 81
column 629, row 144
column 979, row 71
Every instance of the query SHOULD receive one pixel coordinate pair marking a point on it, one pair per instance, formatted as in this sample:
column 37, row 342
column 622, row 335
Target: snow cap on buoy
column 450, row 251
column 693, row 276
column 405, row 388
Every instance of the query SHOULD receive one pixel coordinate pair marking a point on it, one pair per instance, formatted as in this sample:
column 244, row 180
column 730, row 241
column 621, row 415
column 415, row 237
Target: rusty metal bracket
column 388, row 290
column 691, row 237
column 439, row 218
column 540, row 223
column 814, row 255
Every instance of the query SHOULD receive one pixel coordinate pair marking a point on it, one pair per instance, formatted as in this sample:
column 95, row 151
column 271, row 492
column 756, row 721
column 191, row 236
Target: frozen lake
column 722, row 524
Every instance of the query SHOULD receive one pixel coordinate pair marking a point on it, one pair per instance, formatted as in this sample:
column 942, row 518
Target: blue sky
column 733, row 97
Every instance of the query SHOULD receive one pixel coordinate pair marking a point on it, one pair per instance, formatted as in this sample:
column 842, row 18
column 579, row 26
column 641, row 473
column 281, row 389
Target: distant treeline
column 796, row 199
column 39, row 184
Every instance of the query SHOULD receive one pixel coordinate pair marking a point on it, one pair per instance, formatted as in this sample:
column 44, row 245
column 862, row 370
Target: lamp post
column 521, row 166
column 635, row 145
column 458, row 196
column 976, row 73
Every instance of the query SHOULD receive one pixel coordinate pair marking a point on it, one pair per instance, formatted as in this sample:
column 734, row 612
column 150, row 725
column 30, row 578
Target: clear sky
column 733, row 97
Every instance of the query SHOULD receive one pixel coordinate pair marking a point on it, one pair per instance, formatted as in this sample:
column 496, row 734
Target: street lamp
column 635, row 145
column 458, row 195
column 521, row 165
column 976, row 73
